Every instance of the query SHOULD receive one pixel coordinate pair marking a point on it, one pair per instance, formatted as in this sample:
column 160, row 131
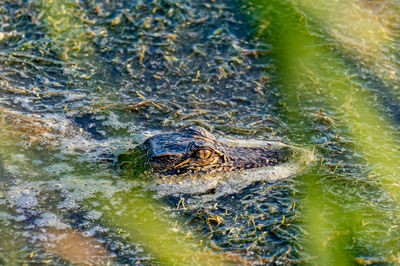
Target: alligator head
column 196, row 150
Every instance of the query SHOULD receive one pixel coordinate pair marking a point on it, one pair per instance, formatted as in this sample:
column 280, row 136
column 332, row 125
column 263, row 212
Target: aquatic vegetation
column 84, row 81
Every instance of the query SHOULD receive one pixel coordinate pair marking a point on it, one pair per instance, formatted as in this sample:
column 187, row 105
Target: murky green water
column 83, row 81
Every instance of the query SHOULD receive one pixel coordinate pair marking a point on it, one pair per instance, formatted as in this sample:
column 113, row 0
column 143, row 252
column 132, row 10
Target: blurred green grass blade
column 324, row 242
column 149, row 223
column 364, row 30
column 143, row 220
column 312, row 75
column 67, row 25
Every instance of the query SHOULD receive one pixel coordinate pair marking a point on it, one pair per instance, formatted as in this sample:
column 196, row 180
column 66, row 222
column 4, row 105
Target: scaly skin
column 198, row 151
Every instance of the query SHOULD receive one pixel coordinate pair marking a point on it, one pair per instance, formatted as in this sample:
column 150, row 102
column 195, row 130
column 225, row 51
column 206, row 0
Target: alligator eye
column 203, row 154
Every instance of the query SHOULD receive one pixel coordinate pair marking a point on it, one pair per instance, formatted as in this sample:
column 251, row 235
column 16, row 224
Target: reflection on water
column 83, row 81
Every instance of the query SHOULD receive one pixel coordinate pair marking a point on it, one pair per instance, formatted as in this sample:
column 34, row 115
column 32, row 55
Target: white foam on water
column 18, row 157
column 71, row 140
column 90, row 232
column 24, row 196
column 59, row 168
column 93, row 215
column 114, row 121
column 73, row 96
column 5, row 218
column 12, row 169
column 49, row 219
column 74, row 190
column 24, row 102
column 2, row 201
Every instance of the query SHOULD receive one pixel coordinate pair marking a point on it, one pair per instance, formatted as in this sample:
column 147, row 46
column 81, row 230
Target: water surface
column 83, row 81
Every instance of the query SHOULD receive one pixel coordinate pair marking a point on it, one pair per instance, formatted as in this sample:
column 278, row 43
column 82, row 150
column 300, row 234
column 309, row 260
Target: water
column 83, row 81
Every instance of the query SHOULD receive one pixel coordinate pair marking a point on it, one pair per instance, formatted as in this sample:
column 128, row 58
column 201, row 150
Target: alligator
column 197, row 151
